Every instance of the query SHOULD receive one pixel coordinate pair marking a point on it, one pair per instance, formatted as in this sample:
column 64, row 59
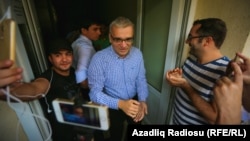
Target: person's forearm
column 26, row 92
column 205, row 108
column 31, row 91
column 225, row 116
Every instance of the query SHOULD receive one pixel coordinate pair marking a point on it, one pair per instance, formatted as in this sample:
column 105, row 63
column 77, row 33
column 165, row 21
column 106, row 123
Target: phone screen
column 81, row 115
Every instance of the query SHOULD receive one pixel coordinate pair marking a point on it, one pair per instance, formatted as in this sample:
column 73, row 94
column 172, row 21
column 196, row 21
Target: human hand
column 142, row 111
column 228, row 97
column 84, row 84
column 9, row 75
column 245, row 67
column 129, row 107
column 174, row 77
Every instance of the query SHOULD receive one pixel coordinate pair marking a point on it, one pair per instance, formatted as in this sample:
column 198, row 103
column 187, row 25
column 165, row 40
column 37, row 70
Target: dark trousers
column 117, row 128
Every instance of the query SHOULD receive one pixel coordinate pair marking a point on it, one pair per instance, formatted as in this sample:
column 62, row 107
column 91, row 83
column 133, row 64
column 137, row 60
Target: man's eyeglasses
column 119, row 40
column 190, row 37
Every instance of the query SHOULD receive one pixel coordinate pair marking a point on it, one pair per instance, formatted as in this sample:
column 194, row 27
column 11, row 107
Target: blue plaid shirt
column 112, row 78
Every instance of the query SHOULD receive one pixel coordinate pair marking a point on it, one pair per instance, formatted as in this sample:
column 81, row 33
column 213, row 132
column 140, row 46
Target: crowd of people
column 115, row 76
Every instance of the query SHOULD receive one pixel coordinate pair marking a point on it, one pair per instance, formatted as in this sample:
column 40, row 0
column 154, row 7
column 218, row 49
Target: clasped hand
column 174, row 77
column 134, row 109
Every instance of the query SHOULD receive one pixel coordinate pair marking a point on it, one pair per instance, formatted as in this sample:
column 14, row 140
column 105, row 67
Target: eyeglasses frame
column 119, row 40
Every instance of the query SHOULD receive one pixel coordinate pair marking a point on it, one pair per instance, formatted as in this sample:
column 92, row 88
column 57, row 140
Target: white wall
column 236, row 14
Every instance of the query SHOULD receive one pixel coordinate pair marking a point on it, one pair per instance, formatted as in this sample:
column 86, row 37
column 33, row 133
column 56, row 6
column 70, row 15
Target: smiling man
column 194, row 103
column 116, row 77
column 58, row 81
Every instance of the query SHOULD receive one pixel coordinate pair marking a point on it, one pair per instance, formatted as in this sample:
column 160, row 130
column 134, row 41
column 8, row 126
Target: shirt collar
column 86, row 39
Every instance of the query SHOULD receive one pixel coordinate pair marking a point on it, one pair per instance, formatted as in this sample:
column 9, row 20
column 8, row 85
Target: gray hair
column 121, row 22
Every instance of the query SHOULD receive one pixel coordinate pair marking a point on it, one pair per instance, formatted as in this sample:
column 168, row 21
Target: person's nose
column 123, row 43
column 64, row 57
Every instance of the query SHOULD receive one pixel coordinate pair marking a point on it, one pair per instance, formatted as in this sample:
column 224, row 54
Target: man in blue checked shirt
column 117, row 79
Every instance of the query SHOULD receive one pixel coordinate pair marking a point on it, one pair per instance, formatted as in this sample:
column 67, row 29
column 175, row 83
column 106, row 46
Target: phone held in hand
column 229, row 70
column 88, row 115
column 7, row 39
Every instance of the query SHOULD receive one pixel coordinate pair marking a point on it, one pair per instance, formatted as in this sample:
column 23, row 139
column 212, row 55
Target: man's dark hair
column 214, row 27
column 86, row 23
column 57, row 45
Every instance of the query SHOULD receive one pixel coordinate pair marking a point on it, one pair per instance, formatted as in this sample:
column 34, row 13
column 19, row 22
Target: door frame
column 162, row 101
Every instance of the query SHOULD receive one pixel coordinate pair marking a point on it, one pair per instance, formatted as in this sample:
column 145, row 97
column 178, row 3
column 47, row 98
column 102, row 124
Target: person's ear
column 83, row 31
column 208, row 40
column 50, row 59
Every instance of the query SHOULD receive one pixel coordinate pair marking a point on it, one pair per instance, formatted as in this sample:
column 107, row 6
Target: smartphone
column 229, row 69
column 7, row 39
column 88, row 115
